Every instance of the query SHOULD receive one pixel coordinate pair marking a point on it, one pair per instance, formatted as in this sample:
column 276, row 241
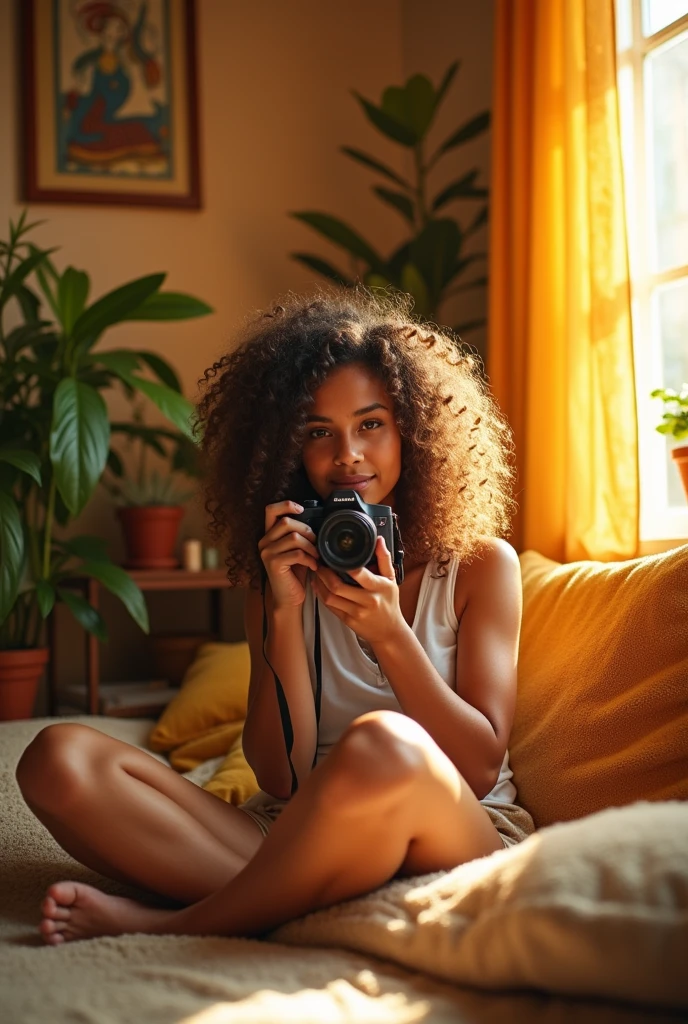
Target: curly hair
column 457, row 462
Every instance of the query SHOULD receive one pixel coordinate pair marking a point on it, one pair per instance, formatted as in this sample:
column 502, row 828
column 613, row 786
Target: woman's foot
column 72, row 910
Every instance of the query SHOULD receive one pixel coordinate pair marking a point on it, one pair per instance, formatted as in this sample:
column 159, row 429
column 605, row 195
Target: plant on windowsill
column 55, row 440
column 150, row 502
column 675, row 425
column 431, row 263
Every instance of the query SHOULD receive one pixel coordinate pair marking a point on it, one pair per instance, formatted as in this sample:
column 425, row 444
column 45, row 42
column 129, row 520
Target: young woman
column 403, row 767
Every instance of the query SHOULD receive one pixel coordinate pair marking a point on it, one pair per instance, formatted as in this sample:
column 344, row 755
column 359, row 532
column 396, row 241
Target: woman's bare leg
column 122, row 813
column 385, row 801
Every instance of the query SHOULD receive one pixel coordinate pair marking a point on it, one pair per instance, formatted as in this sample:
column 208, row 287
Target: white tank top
column 352, row 682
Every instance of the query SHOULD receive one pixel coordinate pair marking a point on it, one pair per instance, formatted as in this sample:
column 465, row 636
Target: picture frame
column 110, row 102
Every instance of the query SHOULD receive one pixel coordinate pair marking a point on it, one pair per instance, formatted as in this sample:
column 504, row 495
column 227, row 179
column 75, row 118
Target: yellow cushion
column 214, row 743
column 602, row 707
column 234, row 780
column 214, row 692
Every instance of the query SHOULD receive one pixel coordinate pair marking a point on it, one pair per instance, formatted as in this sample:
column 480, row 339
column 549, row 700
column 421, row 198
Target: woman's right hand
column 287, row 550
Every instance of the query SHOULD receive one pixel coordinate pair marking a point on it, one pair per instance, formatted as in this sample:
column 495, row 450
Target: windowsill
column 655, row 547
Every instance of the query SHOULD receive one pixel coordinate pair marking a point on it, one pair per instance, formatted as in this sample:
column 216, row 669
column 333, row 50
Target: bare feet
column 73, row 910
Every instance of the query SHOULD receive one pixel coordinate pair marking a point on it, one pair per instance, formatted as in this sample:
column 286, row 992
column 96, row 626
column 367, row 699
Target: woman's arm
column 263, row 737
column 471, row 726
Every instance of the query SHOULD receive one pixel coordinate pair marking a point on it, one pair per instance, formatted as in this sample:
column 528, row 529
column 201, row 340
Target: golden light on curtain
column 560, row 355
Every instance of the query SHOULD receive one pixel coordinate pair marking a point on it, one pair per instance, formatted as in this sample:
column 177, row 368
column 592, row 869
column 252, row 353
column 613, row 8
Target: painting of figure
column 113, row 104
column 111, row 101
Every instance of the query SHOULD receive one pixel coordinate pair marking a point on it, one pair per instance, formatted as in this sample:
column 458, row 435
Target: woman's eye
column 317, row 432
column 371, row 424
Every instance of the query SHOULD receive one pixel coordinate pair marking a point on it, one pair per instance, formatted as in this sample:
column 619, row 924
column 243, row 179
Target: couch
column 587, row 920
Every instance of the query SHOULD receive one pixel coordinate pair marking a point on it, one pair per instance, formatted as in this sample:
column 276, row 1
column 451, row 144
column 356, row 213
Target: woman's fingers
column 285, row 527
column 278, row 509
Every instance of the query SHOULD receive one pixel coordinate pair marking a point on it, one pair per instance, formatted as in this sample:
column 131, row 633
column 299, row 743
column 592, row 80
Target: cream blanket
column 488, row 924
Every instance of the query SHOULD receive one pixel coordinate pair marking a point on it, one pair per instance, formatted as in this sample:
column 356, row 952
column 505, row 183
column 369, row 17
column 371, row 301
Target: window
column 652, row 48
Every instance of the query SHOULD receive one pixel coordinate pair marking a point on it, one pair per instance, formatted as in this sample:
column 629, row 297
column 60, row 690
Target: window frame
column 665, row 523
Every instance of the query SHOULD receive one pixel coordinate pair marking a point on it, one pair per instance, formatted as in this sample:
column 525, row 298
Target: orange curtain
column 560, row 355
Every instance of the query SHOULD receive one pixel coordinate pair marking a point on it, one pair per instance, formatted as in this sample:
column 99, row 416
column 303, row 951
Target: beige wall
column 275, row 82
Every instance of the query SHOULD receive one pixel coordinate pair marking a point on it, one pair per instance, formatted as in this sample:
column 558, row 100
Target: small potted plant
column 675, row 424
column 151, row 503
column 55, row 440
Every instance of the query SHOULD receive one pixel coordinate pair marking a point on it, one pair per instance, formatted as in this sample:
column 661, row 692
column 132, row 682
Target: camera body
column 346, row 529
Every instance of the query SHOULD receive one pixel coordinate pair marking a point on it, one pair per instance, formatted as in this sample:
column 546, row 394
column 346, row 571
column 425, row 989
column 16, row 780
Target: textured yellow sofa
column 585, row 921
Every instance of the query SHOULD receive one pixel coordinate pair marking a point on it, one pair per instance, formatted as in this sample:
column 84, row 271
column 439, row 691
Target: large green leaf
column 446, row 82
column 79, row 441
column 84, row 614
column 162, row 369
column 11, row 284
column 398, row 200
column 464, row 188
column 341, row 234
column 72, row 294
column 174, row 406
column 45, row 594
column 92, row 549
column 11, row 554
column 434, row 252
column 420, row 104
column 114, row 307
column 119, row 583
column 121, row 361
column 375, row 165
column 170, row 306
column 476, row 126
column 387, row 124
column 27, row 462
column 321, row 266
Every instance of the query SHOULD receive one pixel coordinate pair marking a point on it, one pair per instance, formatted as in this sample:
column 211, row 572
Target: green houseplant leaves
column 431, row 263
column 55, row 430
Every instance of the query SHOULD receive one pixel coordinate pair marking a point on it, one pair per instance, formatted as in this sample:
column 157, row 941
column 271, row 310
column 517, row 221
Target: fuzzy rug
column 191, row 980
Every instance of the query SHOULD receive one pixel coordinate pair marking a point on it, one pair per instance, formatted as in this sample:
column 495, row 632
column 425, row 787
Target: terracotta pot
column 150, row 535
column 680, row 457
column 173, row 653
column 20, row 673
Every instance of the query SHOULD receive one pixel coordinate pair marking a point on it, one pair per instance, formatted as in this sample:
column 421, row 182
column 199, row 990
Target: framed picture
column 110, row 102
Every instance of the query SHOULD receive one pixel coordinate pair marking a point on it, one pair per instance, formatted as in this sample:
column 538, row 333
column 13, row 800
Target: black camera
column 347, row 528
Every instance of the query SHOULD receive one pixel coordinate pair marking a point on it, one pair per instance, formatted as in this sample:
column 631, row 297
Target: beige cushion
column 594, row 907
column 602, row 708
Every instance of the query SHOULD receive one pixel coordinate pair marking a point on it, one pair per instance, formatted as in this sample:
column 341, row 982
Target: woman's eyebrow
column 359, row 412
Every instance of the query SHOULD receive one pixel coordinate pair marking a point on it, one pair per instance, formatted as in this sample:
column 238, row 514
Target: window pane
column 660, row 13
column 624, row 25
column 667, row 139
column 672, row 308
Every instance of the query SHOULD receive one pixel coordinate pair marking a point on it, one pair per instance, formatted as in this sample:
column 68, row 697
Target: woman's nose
column 348, row 453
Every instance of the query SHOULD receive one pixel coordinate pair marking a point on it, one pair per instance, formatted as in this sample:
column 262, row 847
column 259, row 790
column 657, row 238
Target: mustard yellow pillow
column 234, row 780
column 213, row 743
column 602, row 707
column 214, row 692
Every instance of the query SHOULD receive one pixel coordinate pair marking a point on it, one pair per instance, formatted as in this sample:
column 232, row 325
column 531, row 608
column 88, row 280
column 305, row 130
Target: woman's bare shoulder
column 494, row 569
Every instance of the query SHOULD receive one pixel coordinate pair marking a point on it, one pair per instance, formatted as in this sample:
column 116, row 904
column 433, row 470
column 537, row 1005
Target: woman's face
column 352, row 440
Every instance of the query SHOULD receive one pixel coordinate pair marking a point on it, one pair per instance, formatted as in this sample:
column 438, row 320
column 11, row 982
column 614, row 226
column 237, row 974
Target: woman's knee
column 379, row 754
column 55, row 765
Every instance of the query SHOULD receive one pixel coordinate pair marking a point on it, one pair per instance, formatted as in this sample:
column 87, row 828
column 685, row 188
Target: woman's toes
column 50, row 927
column 51, row 909
column 63, row 893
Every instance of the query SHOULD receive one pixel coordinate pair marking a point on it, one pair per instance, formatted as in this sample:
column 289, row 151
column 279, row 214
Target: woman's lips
column 352, row 483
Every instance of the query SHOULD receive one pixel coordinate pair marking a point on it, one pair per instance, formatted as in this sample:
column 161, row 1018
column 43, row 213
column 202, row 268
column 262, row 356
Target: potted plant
column 151, row 503
column 430, row 264
column 675, row 424
column 55, row 441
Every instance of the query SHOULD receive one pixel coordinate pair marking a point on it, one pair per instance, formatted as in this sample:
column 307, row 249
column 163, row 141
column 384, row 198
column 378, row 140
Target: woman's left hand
column 371, row 609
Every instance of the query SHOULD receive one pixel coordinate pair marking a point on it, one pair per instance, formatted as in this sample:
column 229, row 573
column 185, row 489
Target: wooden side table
column 212, row 580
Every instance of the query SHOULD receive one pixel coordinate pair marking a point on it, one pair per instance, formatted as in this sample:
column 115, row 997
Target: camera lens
column 347, row 540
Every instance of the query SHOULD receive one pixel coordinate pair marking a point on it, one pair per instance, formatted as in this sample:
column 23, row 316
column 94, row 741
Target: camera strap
column 398, row 551
column 283, row 704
